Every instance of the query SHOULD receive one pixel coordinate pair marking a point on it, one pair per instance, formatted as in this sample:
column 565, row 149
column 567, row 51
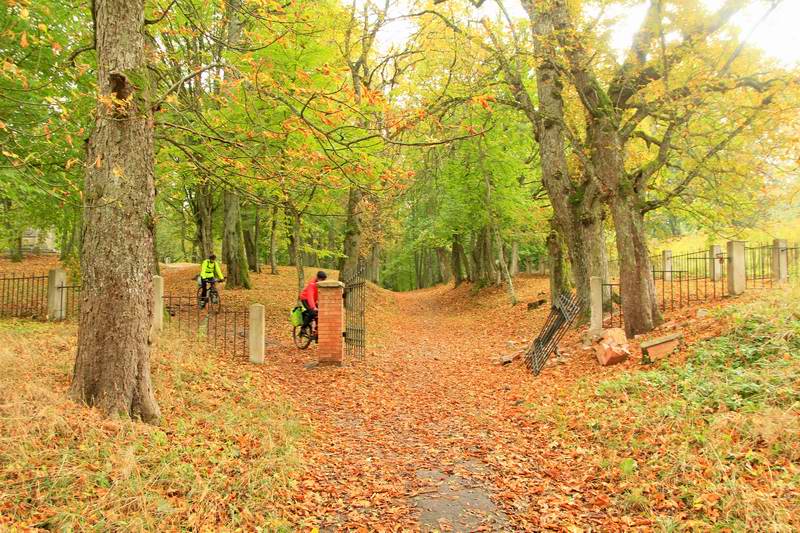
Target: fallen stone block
column 611, row 353
column 660, row 347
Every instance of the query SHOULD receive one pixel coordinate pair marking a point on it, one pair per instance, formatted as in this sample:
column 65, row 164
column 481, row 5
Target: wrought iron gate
column 355, row 299
column 564, row 310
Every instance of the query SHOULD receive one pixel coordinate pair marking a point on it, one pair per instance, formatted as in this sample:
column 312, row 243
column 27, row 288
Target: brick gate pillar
column 331, row 322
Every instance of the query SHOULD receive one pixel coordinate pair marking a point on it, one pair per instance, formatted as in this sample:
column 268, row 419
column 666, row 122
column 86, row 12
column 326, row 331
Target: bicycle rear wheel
column 302, row 337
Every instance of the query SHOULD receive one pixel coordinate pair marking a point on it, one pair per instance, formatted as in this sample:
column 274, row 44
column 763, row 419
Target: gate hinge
column 344, row 334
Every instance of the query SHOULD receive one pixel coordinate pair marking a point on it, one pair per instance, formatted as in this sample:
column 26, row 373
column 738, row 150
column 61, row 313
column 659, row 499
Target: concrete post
column 595, row 305
column 55, row 305
column 256, row 334
column 158, row 304
column 780, row 261
column 715, row 262
column 331, row 322
column 737, row 280
column 666, row 264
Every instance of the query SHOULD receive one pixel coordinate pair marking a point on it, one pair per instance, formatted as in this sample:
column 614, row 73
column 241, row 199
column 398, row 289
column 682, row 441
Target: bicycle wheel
column 214, row 301
column 302, row 337
column 201, row 302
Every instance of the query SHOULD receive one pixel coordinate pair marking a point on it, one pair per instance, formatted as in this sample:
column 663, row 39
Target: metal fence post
column 56, row 278
column 256, row 334
column 737, row 279
column 780, row 261
column 158, row 304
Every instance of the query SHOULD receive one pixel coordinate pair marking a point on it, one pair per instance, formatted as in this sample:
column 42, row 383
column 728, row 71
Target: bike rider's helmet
column 321, row 275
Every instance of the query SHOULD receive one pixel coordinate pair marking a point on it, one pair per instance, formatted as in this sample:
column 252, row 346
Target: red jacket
column 311, row 294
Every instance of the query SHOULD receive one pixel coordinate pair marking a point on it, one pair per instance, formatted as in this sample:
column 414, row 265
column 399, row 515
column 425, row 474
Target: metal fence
column 758, row 265
column 225, row 329
column 691, row 278
column 69, row 301
column 23, row 295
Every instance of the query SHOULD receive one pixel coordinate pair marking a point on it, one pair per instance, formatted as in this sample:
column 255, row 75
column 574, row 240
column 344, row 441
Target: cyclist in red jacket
column 309, row 297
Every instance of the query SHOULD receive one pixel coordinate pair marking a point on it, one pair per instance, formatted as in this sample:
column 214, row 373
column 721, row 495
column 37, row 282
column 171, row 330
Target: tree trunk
column 238, row 275
column 374, row 264
column 559, row 282
column 352, row 235
column 576, row 208
column 112, row 366
column 513, row 268
column 512, row 295
column 298, row 248
column 639, row 303
column 273, row 242
column 455, row 258
column 204, row 218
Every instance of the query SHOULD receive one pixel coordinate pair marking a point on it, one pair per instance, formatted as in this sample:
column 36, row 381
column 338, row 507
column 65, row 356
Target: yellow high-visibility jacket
column 210, row 269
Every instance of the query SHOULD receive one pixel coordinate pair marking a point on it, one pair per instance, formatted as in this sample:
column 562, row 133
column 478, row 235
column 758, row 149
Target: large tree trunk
column 251, row 238
column 204, row 217
column 559, row 281
column 352, row 235
column 577, row 210
column 456, row 255
column 273, row 242
column 445, row 267
column 112, row 366
column 238, row 275
column 636, row 286
column 298, row 248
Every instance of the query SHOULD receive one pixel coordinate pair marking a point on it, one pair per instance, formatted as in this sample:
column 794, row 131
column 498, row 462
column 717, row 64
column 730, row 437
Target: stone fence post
column 666, row 265
column 737, row 280
column 780, row 261
column 330, row 323
column 256, row 334
column 55, row 278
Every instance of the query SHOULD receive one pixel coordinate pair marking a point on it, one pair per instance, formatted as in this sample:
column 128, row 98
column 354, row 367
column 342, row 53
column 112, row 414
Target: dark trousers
column 204, row 283
column 308, row 314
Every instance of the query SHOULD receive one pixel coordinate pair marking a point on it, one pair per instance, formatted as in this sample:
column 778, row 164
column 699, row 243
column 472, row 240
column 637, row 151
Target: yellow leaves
column 42, row 27
column 70, row 163
column 24, row 14
column 117, row 171
column 23, row 41
column 2, row 125
column 301, row 75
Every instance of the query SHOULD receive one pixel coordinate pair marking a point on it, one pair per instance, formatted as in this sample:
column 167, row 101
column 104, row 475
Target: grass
column 712, row 443
column 222, row 458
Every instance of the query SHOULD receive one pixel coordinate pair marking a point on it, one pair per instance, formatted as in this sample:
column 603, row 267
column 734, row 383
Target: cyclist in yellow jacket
column 210, row 272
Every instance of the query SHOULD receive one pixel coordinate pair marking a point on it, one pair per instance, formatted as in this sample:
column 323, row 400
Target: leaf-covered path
column 427, row 432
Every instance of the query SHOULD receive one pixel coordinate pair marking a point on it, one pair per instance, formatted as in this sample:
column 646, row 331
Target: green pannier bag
column 296, row 316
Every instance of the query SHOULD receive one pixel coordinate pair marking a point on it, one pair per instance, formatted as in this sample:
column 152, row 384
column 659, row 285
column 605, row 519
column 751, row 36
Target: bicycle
column 304, row 334
column 212, row 295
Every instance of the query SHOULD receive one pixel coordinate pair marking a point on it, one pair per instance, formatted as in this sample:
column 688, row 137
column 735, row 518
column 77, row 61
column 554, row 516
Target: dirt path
column 428, row 433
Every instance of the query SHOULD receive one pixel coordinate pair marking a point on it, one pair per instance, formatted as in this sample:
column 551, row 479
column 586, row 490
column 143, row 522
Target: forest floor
column 427, row 431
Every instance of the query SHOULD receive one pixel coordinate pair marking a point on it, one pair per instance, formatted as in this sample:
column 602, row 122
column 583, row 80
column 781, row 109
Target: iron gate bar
column 354, row 308
column 562, row 314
